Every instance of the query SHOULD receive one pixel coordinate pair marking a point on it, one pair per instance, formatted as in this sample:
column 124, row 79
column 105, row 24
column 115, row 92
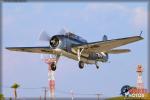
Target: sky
column 23, row 22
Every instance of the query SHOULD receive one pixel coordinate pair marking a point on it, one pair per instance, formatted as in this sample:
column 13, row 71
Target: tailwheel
column 81, row 64
column 53, row 66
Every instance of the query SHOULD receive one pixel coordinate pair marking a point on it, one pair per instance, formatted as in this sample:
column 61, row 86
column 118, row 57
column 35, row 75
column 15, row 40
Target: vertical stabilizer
column 104, row 37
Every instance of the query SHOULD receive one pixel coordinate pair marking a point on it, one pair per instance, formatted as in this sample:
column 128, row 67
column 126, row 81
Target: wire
column 56, row 91
column 77, row 93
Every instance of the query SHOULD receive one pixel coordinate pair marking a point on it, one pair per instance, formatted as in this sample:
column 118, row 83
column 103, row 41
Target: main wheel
column 97, row 66
column 53, row 66
column 81, row 64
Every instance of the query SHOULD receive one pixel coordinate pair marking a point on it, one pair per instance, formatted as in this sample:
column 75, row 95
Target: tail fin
column 104, row 37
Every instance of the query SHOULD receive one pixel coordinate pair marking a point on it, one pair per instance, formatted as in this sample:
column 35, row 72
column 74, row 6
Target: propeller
column 63, row 31
column 44, row 36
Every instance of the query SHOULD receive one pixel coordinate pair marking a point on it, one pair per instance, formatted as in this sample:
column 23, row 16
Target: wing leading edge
column 46, row 50
column 104, row 46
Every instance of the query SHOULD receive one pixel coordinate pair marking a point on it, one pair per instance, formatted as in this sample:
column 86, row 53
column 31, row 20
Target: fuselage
column 64, row 46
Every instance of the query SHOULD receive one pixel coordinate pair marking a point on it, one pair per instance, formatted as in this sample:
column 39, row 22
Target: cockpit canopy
column 71, row 35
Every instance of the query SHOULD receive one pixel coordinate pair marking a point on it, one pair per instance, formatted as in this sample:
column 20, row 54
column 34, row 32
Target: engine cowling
column 55, row 42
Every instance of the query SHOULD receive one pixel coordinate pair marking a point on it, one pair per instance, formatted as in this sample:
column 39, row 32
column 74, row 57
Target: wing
column 46, row 50
column 104, row 46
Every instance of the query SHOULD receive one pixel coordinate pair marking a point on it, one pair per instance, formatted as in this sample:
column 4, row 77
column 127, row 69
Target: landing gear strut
column 81, row 64
column 52, row 61
column 79, row 51
column 97, row 66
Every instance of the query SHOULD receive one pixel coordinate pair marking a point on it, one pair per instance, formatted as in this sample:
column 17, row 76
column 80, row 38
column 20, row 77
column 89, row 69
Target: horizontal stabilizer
column 118, row 51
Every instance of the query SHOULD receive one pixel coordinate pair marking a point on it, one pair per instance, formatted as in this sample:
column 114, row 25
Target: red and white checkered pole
column 140, row 84
column 51, row 80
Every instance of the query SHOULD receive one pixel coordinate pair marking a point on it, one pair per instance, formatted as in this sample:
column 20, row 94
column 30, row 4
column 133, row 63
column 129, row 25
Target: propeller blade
column 63, row 31
column 44, row 36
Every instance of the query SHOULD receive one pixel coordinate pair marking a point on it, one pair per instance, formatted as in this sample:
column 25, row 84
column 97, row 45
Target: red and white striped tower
column 140, row 84
column 51, row 78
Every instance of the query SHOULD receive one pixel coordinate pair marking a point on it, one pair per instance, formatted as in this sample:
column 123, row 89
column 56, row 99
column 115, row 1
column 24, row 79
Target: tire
column 81, row 64
column 53, row 66
column 97, row 67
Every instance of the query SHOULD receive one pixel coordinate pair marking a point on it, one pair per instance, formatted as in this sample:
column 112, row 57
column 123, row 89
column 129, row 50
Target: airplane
column 77, row 48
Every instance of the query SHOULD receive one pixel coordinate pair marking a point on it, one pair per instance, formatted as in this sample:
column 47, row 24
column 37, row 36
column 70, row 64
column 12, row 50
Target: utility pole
column 40, row 98
column 98, row 96
column 45, row 92
column 72, row 94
